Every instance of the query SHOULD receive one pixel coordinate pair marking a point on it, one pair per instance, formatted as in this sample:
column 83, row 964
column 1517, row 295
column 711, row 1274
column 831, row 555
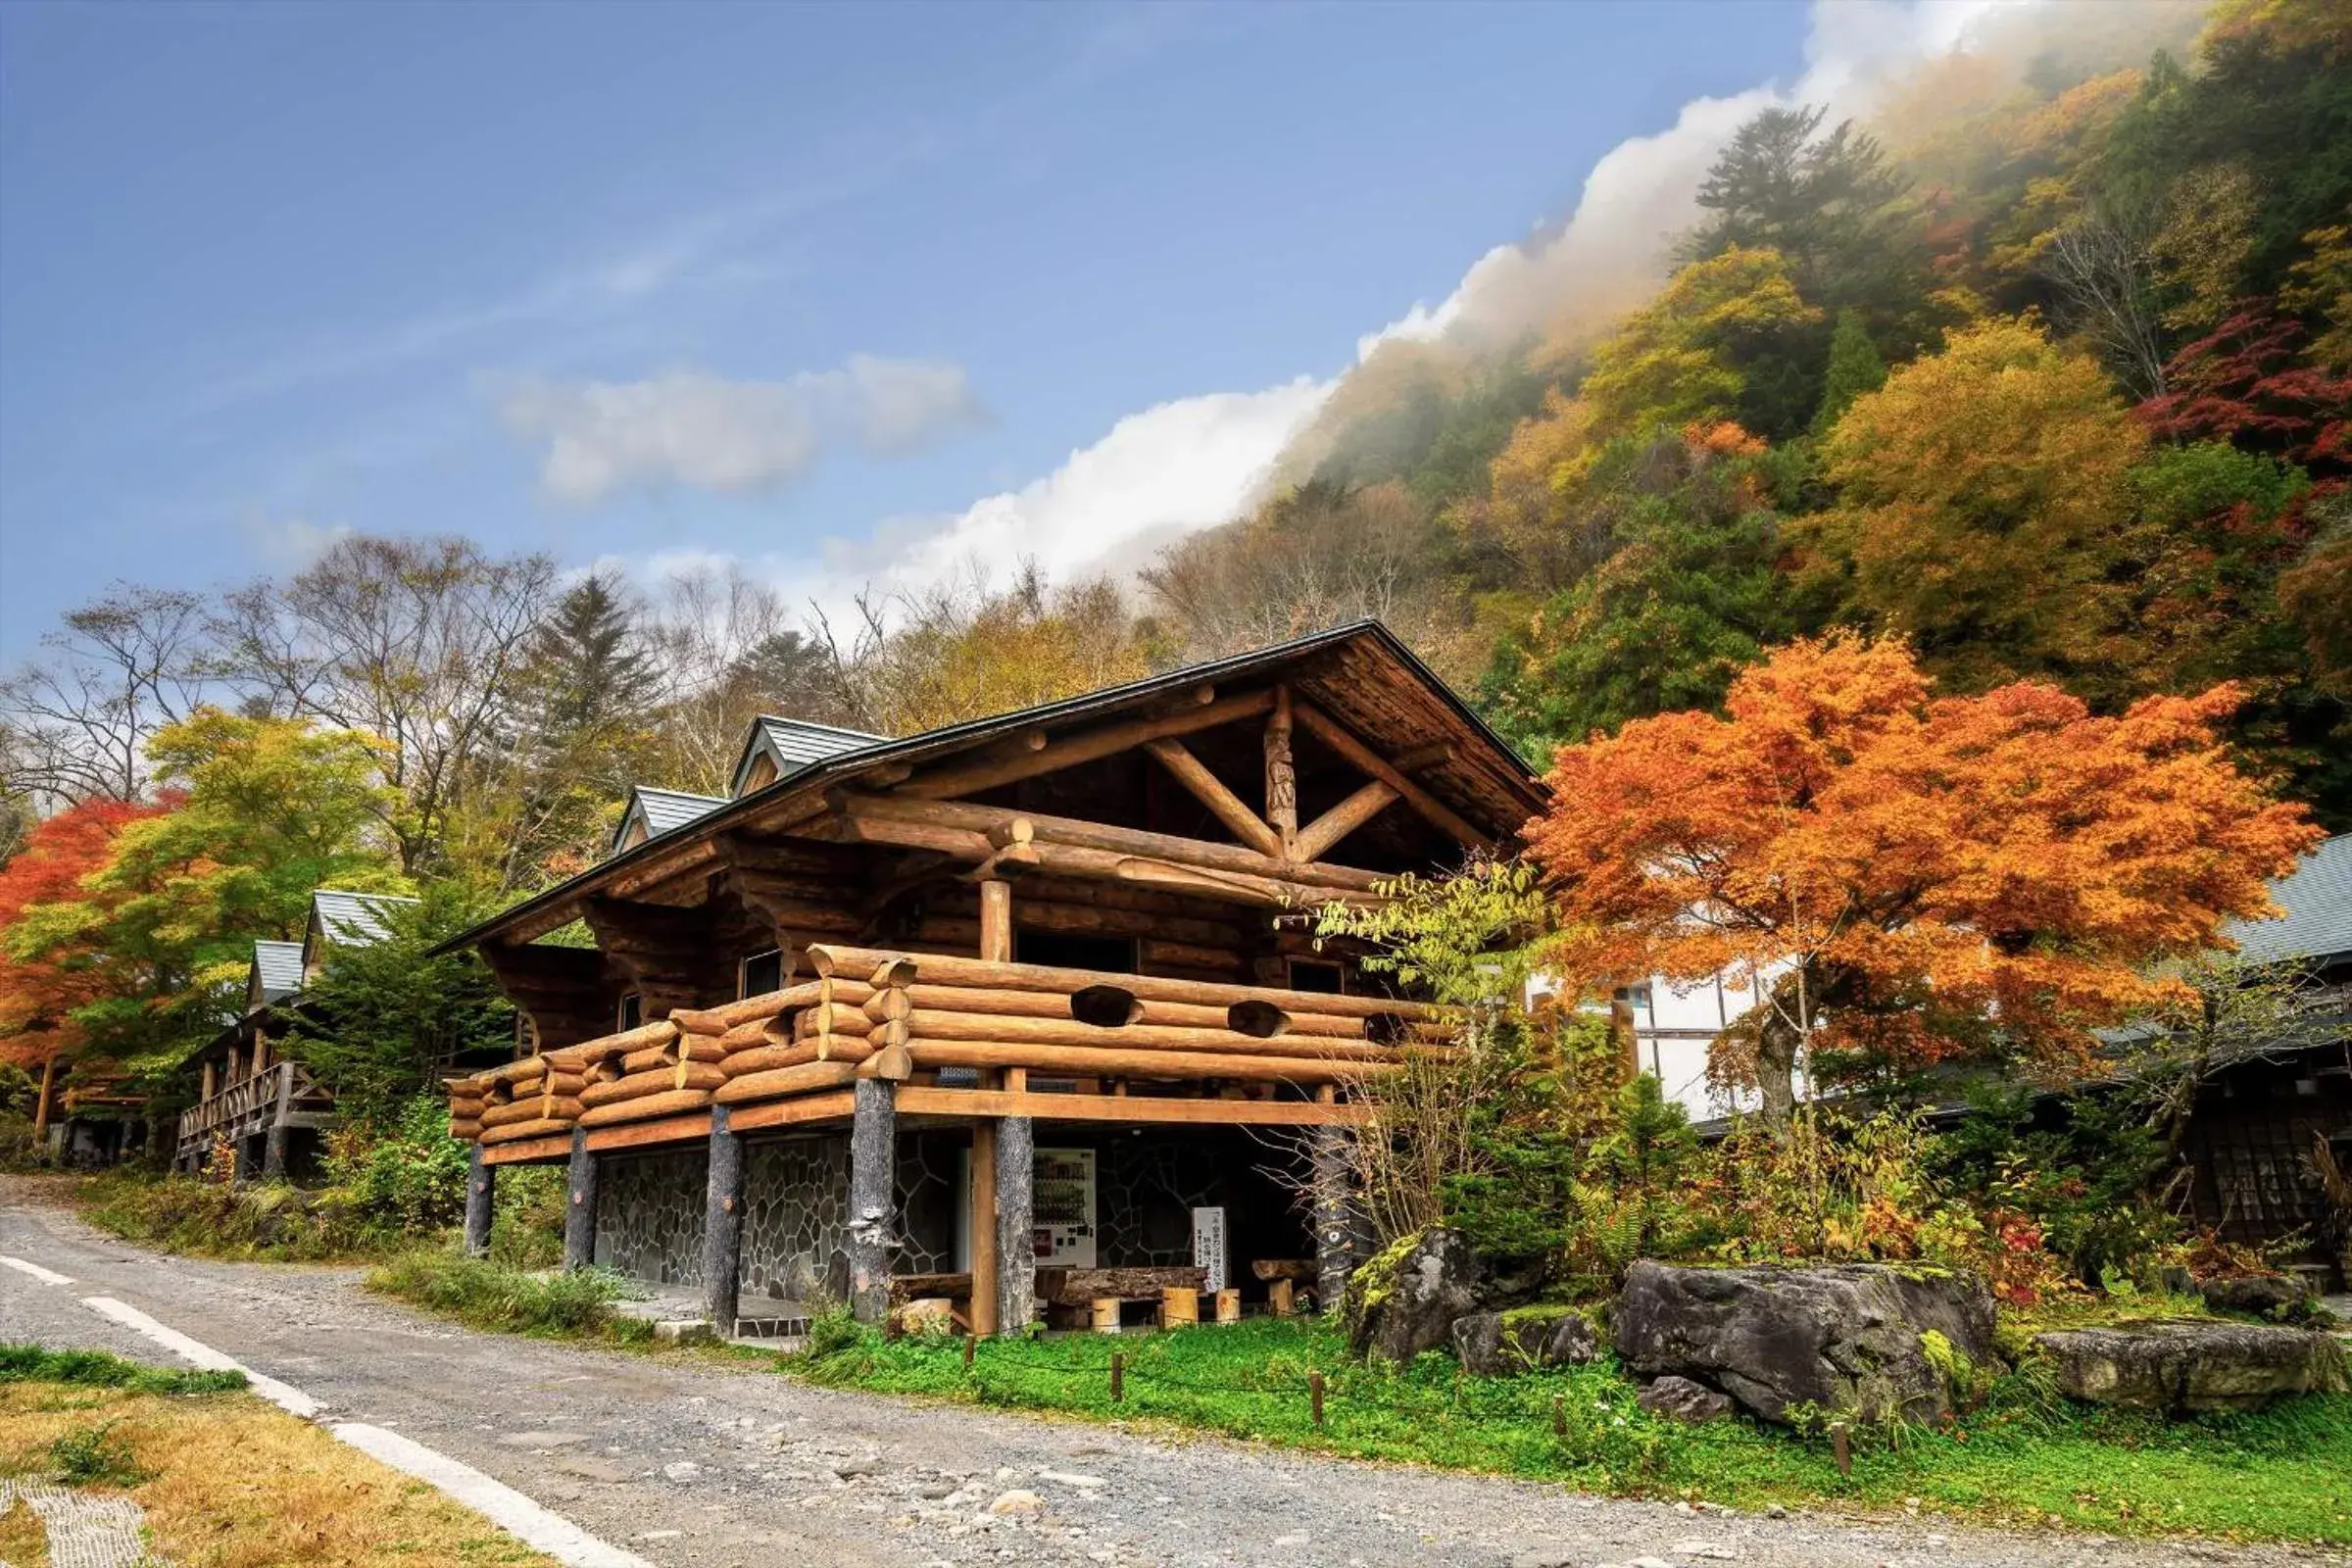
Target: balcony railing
column 951, row 1030
column 253, row 1105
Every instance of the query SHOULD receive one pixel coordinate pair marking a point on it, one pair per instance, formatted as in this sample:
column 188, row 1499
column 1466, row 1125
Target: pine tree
column 591, row 672
column 1854, row 368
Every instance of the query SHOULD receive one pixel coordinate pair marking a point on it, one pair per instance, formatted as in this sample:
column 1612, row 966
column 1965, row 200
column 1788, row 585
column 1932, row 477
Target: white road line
column 47, row 1276
column 501, row 1503
column 510, row 1509
column 285, row 1395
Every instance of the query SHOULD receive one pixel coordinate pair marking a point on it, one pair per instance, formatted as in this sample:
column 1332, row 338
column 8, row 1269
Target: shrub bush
column 493, row 1296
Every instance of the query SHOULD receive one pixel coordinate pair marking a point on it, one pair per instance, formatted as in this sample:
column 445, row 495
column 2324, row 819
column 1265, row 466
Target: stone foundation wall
column 649, row 1222
column 795, row 1194
column 649, row 1214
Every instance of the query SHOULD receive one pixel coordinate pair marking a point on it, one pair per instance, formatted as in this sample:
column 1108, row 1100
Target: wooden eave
column 1360, row 675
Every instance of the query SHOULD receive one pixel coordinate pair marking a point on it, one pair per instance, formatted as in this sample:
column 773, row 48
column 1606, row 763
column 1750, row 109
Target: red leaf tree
column 1905, row 876
column 38, row 997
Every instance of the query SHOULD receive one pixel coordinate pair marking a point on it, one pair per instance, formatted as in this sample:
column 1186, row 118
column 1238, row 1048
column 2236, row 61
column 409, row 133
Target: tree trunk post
column 481, row 1197
column 873, row 1189
column 1016, row 1252
column 40, row 1107
column 273, row 1146
column 723, row 1226
column 1334, row 1220
column 579, row 1212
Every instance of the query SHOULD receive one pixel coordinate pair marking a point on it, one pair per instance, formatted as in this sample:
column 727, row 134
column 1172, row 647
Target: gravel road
column 696, row 1465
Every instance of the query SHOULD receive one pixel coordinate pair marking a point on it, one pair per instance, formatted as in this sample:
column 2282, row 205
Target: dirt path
column 691, row 1465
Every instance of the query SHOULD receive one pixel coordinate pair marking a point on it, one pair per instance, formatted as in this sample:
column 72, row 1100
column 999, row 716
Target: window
column 631, row 1011
column 1064, row 949
column 1308, row 975
column 762, row 972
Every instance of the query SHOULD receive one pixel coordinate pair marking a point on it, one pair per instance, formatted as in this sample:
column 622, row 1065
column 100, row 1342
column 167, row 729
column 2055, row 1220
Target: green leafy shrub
column 407, row 1180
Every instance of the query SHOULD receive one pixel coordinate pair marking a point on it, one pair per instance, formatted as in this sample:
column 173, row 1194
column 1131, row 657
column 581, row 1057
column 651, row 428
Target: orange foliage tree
column 1901, row 876
column 38, row 996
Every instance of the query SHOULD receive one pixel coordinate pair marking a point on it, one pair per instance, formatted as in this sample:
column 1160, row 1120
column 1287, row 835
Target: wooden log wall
column 881, row 1015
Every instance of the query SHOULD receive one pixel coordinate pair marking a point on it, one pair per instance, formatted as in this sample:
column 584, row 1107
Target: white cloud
column 1173, row 468
column 693, row 429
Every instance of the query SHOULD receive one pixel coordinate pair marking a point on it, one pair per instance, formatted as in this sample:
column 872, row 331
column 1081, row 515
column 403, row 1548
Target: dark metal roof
column 2316, row 897
column 661, row 812
column 279, row 967
column 795, row 743
column 971, row 732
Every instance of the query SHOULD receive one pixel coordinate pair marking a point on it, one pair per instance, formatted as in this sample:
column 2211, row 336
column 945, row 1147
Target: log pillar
column 481, row 1196
column 1282, row 777
column 995, row 920
column 723, row 1226
column 1334, row 1219
column 579, row 1211
column 1016, row 1250
column 873, row 1194
column 273, row 1145
column 983, row 1228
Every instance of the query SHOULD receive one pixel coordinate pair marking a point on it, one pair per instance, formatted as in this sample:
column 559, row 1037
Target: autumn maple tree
column 1902, row 878
column 39, row 993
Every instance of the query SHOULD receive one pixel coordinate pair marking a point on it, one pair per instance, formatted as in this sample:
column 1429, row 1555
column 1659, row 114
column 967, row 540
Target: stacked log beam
column 878, row 1014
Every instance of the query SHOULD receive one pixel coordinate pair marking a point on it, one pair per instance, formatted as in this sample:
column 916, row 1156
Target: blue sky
column 645, row 282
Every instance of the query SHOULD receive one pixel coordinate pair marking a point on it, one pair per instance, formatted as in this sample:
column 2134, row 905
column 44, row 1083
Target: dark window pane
column 632, row 1011
column 1308, row 975
column 762, row 972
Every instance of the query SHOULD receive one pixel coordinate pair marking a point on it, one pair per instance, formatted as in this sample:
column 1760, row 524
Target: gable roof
column 1362, row 668
column 2316, row 897
column 793, row 743
column 355, row 919
column 660, row 811
column 277, row 967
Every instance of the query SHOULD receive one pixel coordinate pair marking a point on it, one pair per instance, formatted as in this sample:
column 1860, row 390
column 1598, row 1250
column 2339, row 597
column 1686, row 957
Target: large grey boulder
column 1861, row 1340
column 2189, row 1364
column 1496, row 1344
column 2271, row 1295
column 1404, row 1300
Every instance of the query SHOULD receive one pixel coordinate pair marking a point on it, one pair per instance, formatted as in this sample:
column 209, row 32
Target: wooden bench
column 1093, row 1297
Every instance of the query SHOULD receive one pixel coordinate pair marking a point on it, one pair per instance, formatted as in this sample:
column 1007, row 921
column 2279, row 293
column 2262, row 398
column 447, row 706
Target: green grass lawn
column 2023, row 1457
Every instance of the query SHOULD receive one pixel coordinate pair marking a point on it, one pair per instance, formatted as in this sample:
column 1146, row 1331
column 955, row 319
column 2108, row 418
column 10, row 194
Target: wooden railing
column 252, row 1104
column 910, row 1017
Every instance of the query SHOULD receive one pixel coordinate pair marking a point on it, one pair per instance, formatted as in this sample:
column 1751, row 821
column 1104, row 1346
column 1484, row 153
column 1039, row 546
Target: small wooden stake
column 1560, row 1416
column 1843, row 1447
column 1118, row 1376
column 969, row 1340
column 1315, row 1388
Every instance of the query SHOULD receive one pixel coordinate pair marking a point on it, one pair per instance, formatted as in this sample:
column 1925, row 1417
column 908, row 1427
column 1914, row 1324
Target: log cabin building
column 1026, row 1014
column 266, row 1107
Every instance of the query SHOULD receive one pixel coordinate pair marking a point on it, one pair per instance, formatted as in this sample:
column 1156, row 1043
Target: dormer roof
column 653, row 813
column 788, row 745
column 276, row 972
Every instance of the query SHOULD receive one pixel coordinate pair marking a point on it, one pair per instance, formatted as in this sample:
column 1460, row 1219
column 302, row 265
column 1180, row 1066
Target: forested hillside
column 2046, row 369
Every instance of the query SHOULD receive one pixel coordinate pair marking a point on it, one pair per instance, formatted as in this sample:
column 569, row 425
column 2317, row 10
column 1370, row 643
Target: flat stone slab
column 2182, row 1364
